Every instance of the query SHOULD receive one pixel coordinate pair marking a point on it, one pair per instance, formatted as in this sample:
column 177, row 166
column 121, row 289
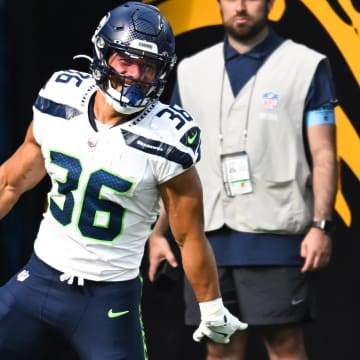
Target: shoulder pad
column 65, row 94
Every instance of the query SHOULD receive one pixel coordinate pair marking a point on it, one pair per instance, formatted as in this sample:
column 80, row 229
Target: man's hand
column 316, row 248
column 159, row 250
column 219, row 330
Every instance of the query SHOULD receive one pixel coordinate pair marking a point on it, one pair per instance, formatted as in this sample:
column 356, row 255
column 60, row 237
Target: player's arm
column 21, row 172
column 182, row 197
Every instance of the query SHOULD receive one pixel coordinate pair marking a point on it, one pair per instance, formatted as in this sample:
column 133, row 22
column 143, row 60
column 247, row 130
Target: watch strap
column 323, row 224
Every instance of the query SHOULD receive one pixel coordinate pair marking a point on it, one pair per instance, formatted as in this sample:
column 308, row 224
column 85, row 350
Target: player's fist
column 218, row 329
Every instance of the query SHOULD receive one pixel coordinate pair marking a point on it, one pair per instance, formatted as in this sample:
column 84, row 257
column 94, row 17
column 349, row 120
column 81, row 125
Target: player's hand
column 219, row 330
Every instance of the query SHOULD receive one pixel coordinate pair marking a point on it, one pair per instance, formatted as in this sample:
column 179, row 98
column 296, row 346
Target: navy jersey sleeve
column 322, row 88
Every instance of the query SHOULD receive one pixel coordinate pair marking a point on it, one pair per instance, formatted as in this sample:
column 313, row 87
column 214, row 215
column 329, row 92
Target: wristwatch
column 326, row 226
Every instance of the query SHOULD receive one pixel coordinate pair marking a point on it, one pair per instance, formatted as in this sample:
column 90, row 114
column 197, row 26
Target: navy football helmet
column 139, row 31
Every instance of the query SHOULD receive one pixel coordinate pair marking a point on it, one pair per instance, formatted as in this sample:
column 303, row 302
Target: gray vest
column 270, row 109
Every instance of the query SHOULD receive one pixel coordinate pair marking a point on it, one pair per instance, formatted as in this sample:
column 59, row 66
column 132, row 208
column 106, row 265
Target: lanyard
column 247, row 115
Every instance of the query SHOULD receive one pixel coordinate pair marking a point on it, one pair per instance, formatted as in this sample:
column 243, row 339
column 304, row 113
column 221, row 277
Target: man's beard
column 245, row 33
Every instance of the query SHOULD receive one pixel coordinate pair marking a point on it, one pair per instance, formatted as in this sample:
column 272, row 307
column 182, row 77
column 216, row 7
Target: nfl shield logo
column 270, row 100
column 23, row 275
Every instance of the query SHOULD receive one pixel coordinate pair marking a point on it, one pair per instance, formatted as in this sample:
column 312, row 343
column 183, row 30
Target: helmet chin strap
column 129, row 96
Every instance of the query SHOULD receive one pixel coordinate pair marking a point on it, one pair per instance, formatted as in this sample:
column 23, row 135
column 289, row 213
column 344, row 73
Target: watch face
column 325, row 225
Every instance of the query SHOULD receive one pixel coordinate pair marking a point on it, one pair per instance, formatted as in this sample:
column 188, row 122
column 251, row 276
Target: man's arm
column 159, row 247
column 21, row 172
column 316, row 247
column 322, row 144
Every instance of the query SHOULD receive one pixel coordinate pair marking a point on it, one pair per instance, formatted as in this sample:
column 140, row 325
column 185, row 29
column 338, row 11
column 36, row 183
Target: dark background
column 38, row 37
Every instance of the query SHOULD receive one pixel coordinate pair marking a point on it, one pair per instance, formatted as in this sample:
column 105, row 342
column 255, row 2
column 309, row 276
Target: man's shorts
column 260, row 295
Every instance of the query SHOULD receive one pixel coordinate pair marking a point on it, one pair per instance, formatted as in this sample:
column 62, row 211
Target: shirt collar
column 259, row 52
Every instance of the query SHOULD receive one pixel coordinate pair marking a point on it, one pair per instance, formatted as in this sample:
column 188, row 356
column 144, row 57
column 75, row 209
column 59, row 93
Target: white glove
column 217, row 323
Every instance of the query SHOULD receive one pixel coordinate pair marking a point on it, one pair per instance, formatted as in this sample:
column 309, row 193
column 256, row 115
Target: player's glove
column 217, row 323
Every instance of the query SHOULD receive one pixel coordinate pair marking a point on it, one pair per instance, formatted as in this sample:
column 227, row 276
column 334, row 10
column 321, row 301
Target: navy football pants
column 101, row 320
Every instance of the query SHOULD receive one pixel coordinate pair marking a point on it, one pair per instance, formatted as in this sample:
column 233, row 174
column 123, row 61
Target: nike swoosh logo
column 220, row 333
column 296, row 301
column 191, row 139
column 113, row 315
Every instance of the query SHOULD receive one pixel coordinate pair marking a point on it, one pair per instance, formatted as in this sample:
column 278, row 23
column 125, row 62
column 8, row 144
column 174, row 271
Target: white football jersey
column 104, row 196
